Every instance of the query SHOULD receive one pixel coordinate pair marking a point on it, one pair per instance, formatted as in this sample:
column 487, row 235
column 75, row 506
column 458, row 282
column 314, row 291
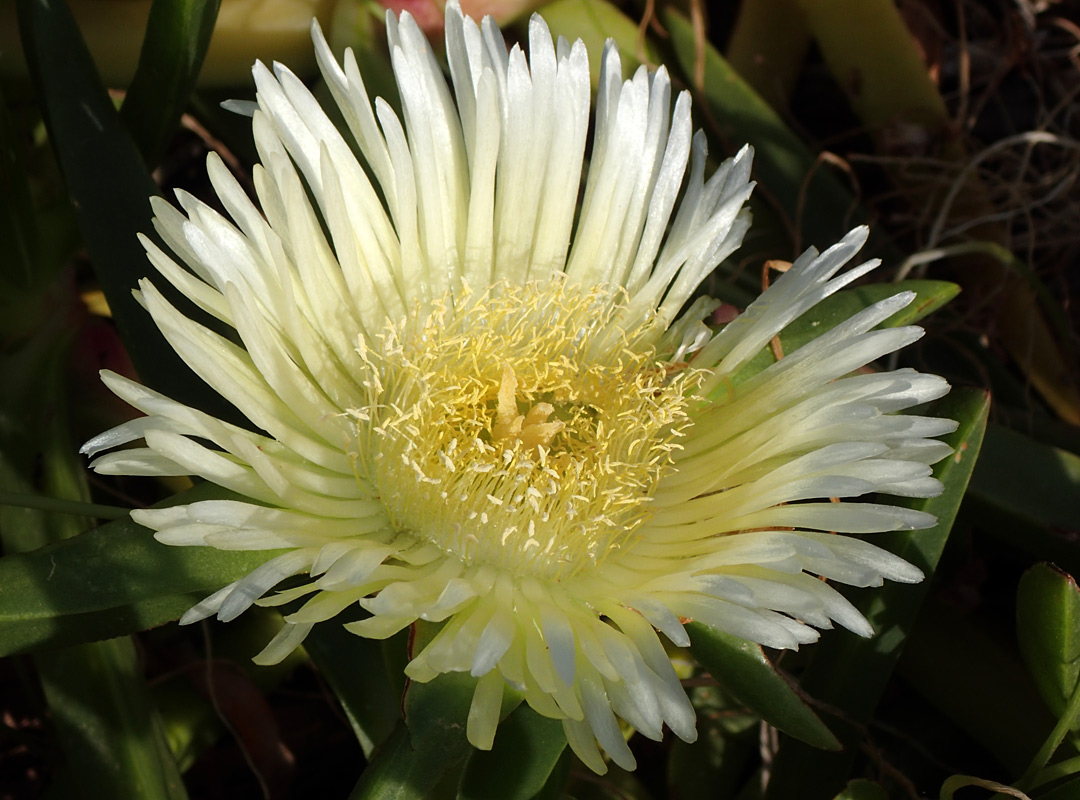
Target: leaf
column 429, row 742
column 99, row 704
column 849, row 673
column 527, row 750
column 110, row 190
column 1024, row 478
column 1027, row 493
column 432, row 741
column 414, row 759
column 556, row 782
column 594, row 22
column 1048, row 628
column 875, row 59
column 109, row 581
column 371, row 702
column 18, row 226
column 1066, row 790
column 976, row 679
column 768, row 46
column 742, row 668
column 113, row 740
column 726, row 751
column 861, row 789
column 177, row 37
column 841, row 306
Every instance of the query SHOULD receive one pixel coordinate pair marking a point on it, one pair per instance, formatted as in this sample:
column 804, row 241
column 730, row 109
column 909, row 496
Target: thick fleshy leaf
column 976, row 679
column 862, row 789
column 849, row 673
column 1026, row 492
column 742, row 668
column 727, row 748
column 1028, row 480
column 98, row 700
column 113, row 741
column 18, row 227
column 431, row 741
column 1067, row 790
column 109, row 581
column 177, row 36
column 1048, row 628
column 526, row 752
column 422, row 749
column 595, row 22
column 110, row 190
column 363, row 677
column 830, row 312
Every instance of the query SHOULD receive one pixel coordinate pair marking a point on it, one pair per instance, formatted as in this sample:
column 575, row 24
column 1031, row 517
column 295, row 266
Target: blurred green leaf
column 594, row 22
column 1027, row 493
column 189, row 722
column 113, row 741
column 556, row 782
column 99, row 704
column 1067, row 790
column 110, row 190
column 861, row 789
column 843, row 305
column 177, row 37
column 1048, row 628
column 431, row 739
column 371, row 702
column 416, row 757
column 726, row 750
column 849, row 673
column 1028, row 479
column 616, row 784
column 18, row 226
column 742, row 668
column 108, row 581
column 527, row 750
column 432, row 742
column 817, row 206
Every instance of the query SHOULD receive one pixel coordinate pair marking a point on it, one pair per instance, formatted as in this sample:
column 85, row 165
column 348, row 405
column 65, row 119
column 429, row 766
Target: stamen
column 520, row 430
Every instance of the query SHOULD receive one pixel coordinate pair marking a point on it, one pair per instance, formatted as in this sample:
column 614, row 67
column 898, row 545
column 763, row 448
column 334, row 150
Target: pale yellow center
column 522, row 429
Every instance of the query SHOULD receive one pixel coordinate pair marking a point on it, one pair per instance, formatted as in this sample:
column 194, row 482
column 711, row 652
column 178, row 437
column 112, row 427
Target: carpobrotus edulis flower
column 482, row 408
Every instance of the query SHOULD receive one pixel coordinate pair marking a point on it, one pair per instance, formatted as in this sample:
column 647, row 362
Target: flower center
column 520, row 429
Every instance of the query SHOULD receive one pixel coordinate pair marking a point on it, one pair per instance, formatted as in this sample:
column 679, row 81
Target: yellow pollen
column 522, row 428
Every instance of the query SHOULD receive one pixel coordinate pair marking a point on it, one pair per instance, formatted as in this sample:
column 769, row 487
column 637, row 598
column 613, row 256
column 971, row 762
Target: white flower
column 479, row 408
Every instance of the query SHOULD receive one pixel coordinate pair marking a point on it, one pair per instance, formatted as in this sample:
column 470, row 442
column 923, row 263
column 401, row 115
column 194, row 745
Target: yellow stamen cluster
column 520, row 428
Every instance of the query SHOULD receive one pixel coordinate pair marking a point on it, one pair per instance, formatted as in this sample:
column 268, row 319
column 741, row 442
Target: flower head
column 477, row 407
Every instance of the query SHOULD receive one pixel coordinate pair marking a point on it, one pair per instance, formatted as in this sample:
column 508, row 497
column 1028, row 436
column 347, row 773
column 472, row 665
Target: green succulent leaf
column 372, row 703
column 110, row 190
column 425, row 746
column 862, row 789
column 835, row 309
column 527, row 751
column 742, row 668
column 177, row 37
column 109, row 581
column 113, row 740
column 1047, row 493
column 594, row 22
column 18, row 226
column 1048, row 628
